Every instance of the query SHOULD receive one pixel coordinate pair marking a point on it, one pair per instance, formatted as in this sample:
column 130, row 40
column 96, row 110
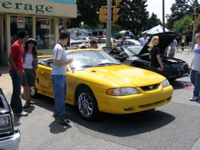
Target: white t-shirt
column 28, row 61
column 143, row 41
column 60, row 54
column 196, row 58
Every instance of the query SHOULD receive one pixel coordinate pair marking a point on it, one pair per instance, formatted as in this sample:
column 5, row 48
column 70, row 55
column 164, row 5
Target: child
column 195, row 69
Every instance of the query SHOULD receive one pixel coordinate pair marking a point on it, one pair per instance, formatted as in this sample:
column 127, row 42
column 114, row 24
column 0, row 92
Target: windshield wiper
column 86, row 66
column 107, row 64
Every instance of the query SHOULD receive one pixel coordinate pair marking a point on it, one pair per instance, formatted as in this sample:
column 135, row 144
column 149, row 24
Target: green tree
column 153, row 21
column 180, row 9
column 133, row 15
column 181, row 26
column 88, row 10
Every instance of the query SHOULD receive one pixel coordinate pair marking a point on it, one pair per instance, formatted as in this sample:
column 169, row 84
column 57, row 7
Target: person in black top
column 155, row 56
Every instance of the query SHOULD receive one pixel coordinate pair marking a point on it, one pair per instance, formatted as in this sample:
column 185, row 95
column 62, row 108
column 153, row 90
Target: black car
column 138, row 56
column 9, row 138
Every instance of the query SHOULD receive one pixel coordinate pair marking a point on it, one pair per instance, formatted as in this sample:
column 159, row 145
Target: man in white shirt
column 58, row 77
column 143, row 40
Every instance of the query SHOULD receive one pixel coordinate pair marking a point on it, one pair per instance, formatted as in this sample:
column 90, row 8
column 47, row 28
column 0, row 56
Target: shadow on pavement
column 56, row 128
column 123, row 125
column 180, row 84
column 115, row 125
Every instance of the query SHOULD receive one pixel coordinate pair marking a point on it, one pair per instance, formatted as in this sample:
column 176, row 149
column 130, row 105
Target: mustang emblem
column 151, row 87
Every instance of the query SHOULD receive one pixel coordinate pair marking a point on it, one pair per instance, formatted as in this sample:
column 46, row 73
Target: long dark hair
column 34, row 50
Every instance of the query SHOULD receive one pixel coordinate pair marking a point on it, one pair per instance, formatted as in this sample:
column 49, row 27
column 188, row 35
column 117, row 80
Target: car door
column 70, row 86
column 44, row 80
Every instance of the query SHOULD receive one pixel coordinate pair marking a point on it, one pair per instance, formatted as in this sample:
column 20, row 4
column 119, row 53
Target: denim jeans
column 195, row 79
column 59, row 90
column 16, row 103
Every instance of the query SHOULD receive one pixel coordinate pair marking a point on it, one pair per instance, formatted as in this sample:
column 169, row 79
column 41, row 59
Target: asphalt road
column 175, row 126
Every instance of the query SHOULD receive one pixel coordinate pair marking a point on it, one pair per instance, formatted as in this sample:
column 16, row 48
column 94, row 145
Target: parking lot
column 174, row 126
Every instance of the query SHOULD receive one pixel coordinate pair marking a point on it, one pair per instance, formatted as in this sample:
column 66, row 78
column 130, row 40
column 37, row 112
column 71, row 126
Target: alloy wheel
column 85, row 105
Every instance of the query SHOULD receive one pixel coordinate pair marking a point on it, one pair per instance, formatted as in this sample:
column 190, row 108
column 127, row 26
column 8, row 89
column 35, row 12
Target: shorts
column 28, row 78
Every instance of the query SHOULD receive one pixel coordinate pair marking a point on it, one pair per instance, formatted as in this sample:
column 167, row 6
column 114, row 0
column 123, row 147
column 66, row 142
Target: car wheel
column 87, row 104
column 83, row 47
column 34, row 93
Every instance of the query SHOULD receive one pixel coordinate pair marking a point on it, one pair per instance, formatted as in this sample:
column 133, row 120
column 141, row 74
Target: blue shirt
column 60, row 54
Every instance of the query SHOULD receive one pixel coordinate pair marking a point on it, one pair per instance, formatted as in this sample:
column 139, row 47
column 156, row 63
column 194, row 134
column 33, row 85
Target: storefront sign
column 20, row 22
column 45, row 23
column 40, row 7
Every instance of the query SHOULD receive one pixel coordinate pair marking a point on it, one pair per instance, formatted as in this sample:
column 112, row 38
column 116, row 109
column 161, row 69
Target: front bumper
column 135, row 103
column 10, row 142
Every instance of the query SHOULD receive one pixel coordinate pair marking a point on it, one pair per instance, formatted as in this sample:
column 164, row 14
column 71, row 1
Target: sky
column 155, row 6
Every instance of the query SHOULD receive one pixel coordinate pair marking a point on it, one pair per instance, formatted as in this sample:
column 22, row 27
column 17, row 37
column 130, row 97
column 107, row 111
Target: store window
column 19, row 23
column 45, row 33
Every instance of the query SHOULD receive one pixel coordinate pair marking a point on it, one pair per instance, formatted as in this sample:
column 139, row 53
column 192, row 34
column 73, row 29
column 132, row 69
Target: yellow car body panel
column 100, row 79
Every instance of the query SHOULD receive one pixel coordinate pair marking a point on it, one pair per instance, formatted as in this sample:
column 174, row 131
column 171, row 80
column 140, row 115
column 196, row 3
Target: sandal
column 27, row 104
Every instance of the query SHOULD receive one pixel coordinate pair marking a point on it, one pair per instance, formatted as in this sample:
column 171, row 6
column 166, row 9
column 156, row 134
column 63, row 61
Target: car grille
column 150, row 87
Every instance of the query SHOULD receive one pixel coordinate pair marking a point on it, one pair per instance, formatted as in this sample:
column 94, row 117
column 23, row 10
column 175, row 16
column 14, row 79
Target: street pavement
column 175, row 126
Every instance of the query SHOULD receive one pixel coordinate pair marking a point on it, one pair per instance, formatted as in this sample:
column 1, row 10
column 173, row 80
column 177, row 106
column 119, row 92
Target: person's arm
column 13, row 53
column 57, row 57
column 61, row 63
column 160, row 62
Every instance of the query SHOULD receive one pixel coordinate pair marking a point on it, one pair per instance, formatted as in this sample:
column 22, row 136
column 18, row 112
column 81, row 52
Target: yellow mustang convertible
column 96, row 83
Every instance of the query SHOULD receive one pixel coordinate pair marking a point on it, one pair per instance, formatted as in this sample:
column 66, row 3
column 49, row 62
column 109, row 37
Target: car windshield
column 90, row 58
column 132, row 50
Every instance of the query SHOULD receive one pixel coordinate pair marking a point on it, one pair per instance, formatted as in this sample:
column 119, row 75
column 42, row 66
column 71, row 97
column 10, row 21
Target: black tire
column 87, row 104
column 34, row 93
column 83, row 47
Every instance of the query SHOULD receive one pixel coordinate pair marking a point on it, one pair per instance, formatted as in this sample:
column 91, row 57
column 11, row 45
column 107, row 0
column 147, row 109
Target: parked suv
column 9, row 138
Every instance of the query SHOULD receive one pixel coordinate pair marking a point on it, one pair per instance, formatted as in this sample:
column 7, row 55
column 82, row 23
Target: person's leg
column 192, row 77
column 16, row 103
column 58, row 83
column 182, row 46
column 197, row 85
column 155, row 69
column 27, row 91
column 31, row 83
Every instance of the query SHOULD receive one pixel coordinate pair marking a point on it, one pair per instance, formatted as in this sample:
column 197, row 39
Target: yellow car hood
column 121, row 75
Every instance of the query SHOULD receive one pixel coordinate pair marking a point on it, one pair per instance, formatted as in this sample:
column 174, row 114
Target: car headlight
column 165, row 83
column 122, row 91
column 5, row 124
column 4, row 121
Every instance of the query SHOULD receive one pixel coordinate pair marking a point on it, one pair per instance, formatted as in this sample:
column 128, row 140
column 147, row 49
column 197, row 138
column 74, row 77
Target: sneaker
column 194, row 98
column 23, row 113
column 64, row 121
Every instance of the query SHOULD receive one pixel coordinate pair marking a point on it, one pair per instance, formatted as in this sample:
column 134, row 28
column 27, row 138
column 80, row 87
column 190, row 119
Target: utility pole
column 108, row 26
column 194, row 25
column 163, row 15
